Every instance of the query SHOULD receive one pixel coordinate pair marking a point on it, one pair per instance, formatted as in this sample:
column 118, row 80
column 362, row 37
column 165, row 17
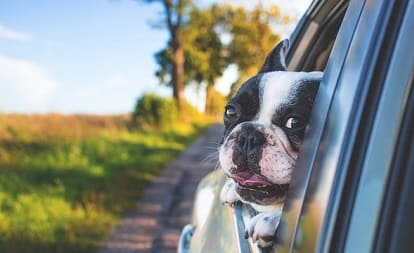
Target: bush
column 216, row 103
column 154, row 111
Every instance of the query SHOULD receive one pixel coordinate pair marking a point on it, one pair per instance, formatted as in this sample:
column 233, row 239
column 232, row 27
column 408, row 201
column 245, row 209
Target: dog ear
column 276, row 59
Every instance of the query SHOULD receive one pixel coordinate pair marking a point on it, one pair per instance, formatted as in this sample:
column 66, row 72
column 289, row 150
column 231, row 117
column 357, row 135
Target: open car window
column 312, row 44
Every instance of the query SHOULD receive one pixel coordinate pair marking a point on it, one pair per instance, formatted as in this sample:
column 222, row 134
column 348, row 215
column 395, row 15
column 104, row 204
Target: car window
column 346, row 104
column 397, row 70
column 312, row 44
column 314, row 38
column 313, row 41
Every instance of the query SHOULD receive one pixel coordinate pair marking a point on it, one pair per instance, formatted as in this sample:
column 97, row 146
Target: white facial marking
column 278, row 157
column 275, row 88
column 272, row 93
column 226, row 156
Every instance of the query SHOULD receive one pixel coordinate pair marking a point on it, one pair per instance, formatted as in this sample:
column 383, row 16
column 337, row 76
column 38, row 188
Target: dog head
column 264, row 126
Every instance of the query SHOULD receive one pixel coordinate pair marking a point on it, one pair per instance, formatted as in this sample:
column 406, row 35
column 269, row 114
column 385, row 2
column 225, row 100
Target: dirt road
column 167, row 203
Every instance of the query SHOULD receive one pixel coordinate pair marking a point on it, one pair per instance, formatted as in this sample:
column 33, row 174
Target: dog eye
column 293, row 123
column 231, row 112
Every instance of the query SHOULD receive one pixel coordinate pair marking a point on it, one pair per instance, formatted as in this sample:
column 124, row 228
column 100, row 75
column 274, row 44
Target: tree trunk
column 174, row 9
column 178, row 72
column 209, row 91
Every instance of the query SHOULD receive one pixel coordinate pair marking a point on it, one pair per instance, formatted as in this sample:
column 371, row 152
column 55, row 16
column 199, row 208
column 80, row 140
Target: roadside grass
column 65, row 179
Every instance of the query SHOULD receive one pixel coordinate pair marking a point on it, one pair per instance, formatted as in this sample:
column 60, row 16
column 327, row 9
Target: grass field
column 65, row 179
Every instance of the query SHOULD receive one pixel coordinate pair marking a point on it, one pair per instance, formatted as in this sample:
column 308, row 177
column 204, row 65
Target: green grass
column 65, row 179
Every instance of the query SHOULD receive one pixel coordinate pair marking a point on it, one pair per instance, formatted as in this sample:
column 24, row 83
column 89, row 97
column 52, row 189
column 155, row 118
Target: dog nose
column 249, row 141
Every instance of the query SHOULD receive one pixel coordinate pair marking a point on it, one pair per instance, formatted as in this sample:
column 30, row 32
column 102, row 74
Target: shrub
column 216, row 104
column 154, row 111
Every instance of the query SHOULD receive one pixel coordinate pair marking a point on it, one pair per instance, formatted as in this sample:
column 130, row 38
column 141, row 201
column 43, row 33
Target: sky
column 93, row 57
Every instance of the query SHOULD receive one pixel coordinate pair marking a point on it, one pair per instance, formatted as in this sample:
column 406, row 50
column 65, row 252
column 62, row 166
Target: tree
column 152, row 110
column 252, row 38
column 204, row 50
column 174, row 15
column 206, row 55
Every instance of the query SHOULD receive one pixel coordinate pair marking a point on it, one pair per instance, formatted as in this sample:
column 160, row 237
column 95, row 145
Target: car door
column 341, row 193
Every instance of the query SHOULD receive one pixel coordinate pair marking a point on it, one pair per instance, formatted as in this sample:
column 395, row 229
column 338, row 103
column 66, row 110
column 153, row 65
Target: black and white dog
column 264, row 126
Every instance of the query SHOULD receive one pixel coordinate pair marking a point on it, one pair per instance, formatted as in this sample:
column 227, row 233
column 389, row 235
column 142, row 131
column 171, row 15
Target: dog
column 264, row 126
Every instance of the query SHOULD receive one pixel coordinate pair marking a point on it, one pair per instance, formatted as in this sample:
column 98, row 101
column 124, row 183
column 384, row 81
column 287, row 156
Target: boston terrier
column 264, row 125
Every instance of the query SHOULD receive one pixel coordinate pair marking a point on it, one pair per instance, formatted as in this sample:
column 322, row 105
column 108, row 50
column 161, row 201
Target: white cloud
column 25, row 86
column 8, row 33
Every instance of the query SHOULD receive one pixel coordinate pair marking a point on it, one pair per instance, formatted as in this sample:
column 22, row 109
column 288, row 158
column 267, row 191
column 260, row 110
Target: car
column 352, row 187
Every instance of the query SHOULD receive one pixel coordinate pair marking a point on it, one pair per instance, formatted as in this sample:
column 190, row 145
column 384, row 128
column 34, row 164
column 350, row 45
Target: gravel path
column 167, row 203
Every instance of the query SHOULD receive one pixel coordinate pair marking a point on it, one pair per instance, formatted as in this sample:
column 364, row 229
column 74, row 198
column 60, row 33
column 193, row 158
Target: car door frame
column 329, row 173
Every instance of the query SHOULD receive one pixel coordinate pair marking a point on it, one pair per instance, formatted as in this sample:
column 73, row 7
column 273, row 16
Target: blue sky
column 93, row 56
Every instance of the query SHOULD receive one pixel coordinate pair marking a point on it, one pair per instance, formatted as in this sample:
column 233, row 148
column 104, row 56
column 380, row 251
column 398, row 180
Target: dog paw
column 262, row 227
column 228, row 193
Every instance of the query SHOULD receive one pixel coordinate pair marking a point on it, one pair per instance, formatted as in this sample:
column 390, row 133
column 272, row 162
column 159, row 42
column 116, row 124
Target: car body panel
column 215, row 227
column 335, row 150
column 379, row 156
column 208, row 217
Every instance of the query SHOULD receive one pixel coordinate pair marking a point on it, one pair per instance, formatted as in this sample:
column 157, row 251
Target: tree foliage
column 252, row 38
column 205, row 50
column 174, row 15
column 215, row 102
column 154, row 111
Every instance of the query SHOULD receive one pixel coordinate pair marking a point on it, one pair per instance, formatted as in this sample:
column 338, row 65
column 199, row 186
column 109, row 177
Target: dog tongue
column 250, row 179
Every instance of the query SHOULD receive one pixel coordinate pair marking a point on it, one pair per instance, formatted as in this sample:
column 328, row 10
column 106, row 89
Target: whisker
column 213, row 148
column 209, row 159
column 216, row 144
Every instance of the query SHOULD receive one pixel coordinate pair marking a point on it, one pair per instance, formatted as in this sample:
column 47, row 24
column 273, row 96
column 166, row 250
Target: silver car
column 353, row 187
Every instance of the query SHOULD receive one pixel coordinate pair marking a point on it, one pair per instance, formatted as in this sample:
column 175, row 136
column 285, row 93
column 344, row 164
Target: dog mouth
column 257, row 189
column 248, row 179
